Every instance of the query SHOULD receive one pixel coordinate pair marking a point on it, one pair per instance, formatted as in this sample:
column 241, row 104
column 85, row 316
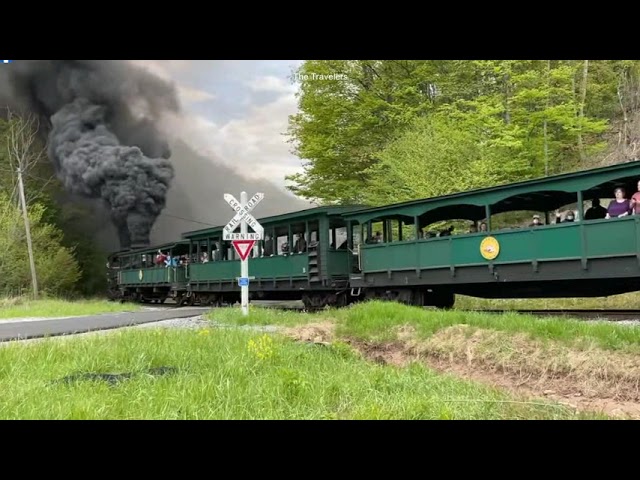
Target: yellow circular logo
column 489, row 248
column 140, row 275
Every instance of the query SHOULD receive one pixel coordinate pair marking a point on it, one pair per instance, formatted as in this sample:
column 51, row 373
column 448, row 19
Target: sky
column 235, row 111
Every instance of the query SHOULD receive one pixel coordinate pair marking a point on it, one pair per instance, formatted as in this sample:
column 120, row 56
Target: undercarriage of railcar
column 143, row 294
column 559, row 279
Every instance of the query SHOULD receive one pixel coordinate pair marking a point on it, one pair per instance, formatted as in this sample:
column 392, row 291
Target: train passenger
column 377, row 238
column 446, row 232
column 300, row 245
column 635, row 202
column 268, row 247
column 535, row 221
column 205, row 257
column 473, row 228
column 621, row 206
column 160, row 258
column 483, row 226
column 596, row 211
column 570, row 217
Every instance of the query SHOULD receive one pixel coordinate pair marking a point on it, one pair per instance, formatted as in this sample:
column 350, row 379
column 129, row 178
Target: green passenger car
column 488, row 246
column 137, row 276
column 557, row 258
column 303, row 256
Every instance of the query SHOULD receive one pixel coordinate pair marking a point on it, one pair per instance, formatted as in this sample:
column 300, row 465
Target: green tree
column 345, row 122
column 56, row 266
column 535, row 117
column 438, row 155
column 72, row 221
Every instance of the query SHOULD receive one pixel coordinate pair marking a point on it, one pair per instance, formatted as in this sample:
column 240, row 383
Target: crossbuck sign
column 243, row 215
column 243, row 242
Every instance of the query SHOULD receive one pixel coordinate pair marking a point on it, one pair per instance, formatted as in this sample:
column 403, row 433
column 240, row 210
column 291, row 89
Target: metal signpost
column 243, row 242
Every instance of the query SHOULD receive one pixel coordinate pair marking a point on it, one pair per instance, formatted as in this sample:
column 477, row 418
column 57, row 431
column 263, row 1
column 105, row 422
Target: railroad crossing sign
column 243, row 242
column 243, row 216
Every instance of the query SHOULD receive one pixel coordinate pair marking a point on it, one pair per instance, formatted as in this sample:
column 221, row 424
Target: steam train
column 337, row 255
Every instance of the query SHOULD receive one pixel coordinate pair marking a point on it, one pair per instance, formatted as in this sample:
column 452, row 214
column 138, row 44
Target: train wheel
column 188, row 300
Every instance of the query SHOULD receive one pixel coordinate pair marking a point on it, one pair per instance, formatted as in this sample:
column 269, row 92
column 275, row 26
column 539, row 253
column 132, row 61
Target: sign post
column 243, row 242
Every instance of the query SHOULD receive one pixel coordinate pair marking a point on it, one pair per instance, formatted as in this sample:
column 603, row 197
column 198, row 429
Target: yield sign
column 243, row 247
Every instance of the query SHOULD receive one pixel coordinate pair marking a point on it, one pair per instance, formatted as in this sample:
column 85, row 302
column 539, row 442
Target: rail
column 611, row 315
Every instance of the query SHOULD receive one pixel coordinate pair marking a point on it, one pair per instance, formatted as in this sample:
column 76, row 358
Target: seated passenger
column 446, row 232
column 473, row 228
column 596, row 211
column 536, row 221
column 570, row 217
column 268, row 247
column 483, row 227
column 621, row 206
column 300, row 245
column 635, row 202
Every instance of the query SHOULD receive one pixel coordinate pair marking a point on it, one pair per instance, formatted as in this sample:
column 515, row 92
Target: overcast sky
column 236, row 111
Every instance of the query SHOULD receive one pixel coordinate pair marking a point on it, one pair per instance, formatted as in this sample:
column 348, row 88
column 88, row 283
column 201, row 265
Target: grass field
column 379, row 321
column 233, row 374
column 594, row 366
column 16, row 307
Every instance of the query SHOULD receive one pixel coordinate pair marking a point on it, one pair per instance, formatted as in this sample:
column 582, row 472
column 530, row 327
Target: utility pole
column 23, row 204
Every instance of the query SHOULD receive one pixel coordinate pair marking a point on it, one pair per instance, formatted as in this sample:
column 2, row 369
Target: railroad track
column 611, row 315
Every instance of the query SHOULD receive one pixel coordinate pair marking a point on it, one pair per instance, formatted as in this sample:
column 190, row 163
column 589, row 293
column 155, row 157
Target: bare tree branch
column 24, row 156
column 25, row 152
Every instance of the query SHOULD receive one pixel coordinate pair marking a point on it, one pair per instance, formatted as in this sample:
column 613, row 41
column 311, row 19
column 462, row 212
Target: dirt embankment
column 590, row 379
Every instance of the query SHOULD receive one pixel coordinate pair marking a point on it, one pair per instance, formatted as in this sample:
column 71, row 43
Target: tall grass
column 232, row 374
column 379, row 321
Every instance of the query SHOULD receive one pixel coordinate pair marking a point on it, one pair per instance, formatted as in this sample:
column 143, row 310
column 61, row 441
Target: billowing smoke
column 102, row 138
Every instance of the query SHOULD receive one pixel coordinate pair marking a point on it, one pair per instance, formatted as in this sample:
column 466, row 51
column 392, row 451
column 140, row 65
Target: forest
column 387, row 131
column 368, row 132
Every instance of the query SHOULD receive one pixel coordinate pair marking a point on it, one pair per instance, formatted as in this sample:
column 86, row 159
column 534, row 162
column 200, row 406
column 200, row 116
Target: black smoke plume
column 102, row 138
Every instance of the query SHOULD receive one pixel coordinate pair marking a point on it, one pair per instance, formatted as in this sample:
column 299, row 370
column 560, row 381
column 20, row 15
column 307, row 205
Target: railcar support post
column 487, row 212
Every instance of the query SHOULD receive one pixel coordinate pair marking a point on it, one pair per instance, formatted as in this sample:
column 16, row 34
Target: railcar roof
column 539, row 194
column 328, row 210
column 150, row 249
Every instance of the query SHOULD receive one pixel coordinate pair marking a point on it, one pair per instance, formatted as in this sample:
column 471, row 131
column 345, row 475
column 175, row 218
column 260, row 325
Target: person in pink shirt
column 635, row 202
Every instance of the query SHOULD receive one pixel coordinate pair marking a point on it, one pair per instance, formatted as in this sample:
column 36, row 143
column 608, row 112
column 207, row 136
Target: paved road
column 21, row 330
